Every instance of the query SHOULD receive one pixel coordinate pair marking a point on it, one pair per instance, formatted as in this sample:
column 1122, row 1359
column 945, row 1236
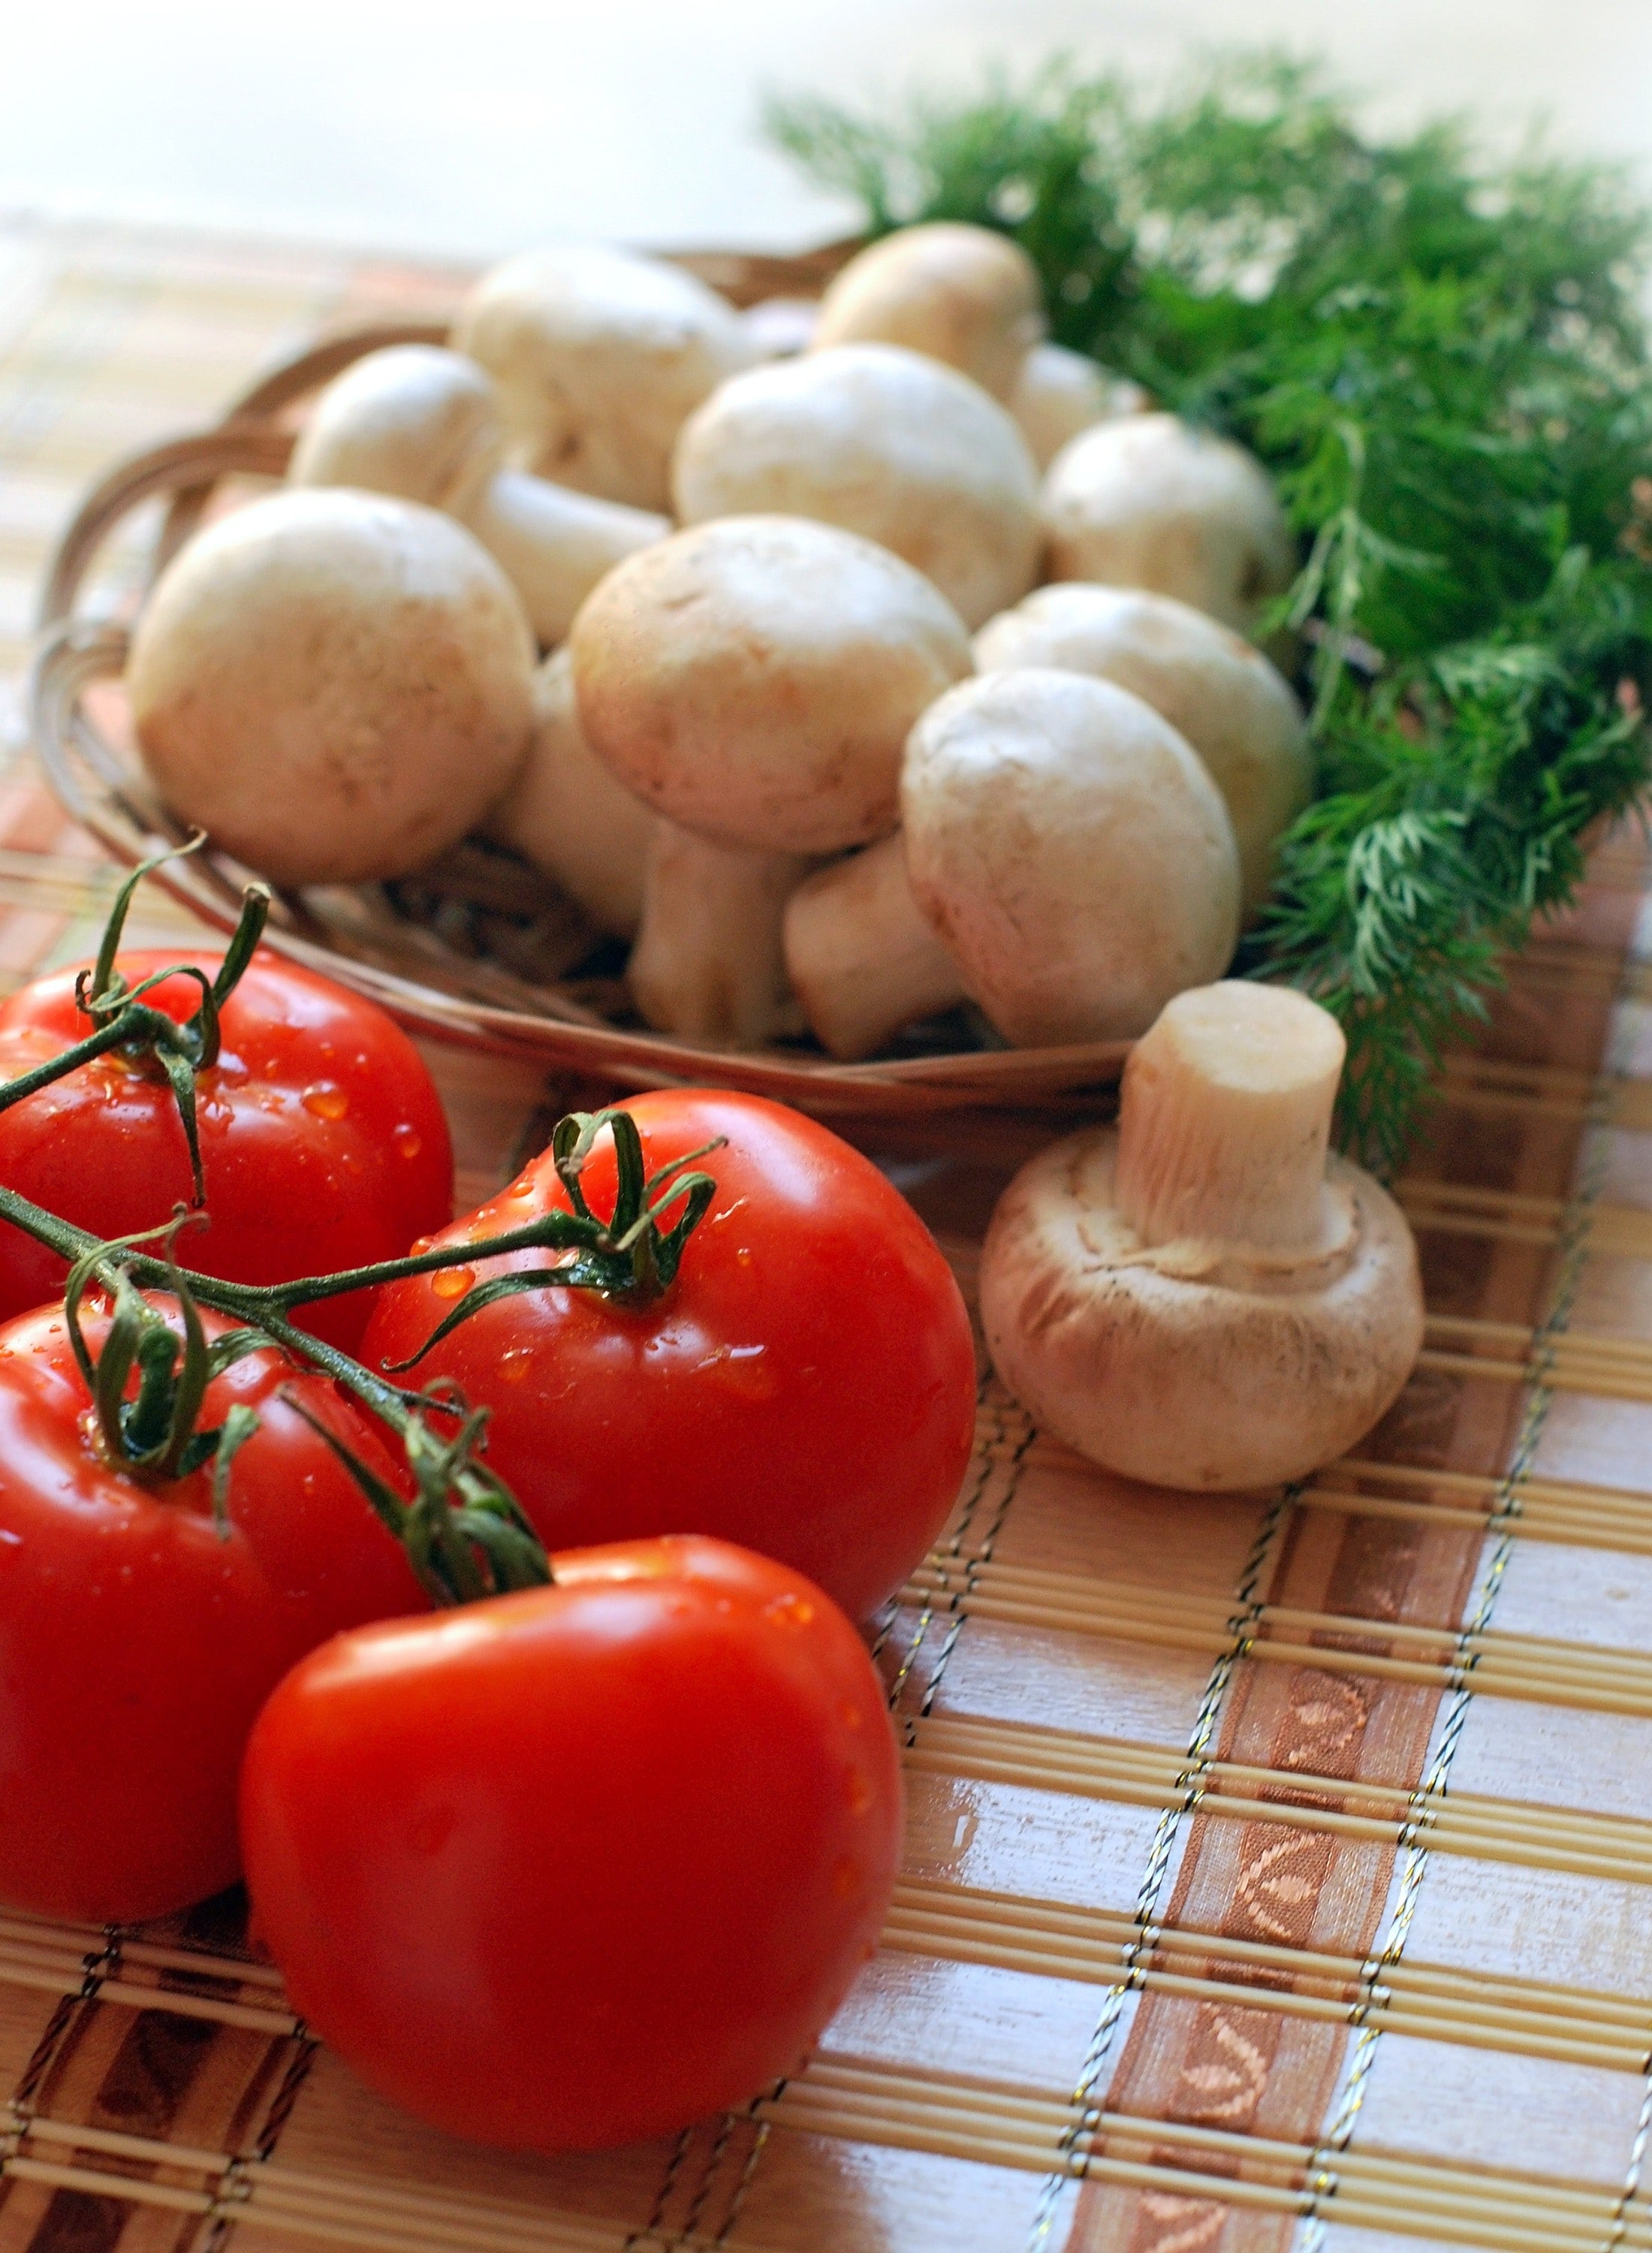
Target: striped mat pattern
column 1280, row 1869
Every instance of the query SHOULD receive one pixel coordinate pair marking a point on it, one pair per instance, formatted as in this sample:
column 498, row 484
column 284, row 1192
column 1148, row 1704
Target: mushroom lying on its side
column 600, row 358
column 1149, row 501
column 1234, row 708
column 334, row 685
column 961, row 294
column 1060, row 392
column 1202, row 1298
column 424, row 424
column 882, row 442
column 567, row 813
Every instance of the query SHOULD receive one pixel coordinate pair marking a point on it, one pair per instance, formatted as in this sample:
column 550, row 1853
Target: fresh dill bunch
column 1444, row 365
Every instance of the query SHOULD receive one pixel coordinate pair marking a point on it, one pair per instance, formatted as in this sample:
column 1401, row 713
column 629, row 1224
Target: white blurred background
column 472, row 126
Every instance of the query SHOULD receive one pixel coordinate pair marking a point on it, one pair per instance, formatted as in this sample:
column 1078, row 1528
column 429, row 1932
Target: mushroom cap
column 882, row 442
column 570, row 815
column 1070, row 850
column 1212, row 686
column 1149, row 501
column 333, row 684
column 413, row 420
column 1221, row 1381
column 1060, row 392
column 962, row 294
column 599, row 359
column 754, row 679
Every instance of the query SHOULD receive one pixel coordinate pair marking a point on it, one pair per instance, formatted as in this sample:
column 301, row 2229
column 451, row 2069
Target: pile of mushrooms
column 746, row 553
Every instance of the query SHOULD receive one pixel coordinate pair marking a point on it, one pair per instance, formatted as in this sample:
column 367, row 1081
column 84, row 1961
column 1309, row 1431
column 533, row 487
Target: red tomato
column 137, row 1644
column 806, row 1386
column 322, row 1140
column 585, row 1864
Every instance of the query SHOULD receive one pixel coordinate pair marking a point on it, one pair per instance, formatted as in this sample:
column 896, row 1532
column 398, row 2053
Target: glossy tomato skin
column 806, row 1388
column 137, row 1644
column 583, row 1865
column 323, row 1143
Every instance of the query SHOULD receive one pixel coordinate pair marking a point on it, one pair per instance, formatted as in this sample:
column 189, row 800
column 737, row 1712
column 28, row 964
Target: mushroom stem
column 862, row 958
column 1225, row 1120
column 554, row 543
column 707, row 963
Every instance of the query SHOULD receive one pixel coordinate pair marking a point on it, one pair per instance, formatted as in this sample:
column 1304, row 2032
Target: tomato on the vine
column 140, row 1633
column 806, row 1387
column 323, row 1144
column 575, row 1866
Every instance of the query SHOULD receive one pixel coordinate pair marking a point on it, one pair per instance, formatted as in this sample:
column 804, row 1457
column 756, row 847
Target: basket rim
column 98, row 787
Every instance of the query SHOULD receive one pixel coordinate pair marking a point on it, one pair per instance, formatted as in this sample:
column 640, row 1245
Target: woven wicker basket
column 477, row 948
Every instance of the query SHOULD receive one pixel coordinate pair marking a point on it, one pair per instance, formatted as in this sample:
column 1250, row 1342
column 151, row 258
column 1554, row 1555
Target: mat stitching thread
column 97, row 1966
column 1323, row 2178
column 1006, row 1446
column 1191, row 1783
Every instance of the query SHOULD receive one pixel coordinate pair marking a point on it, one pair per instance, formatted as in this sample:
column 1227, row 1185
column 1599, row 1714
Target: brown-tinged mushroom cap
column 1212, row 685
column 334, row 685
column 1202, row 1298
column 413, row 420
column 1060, row 392
column 1149, row 501
column 754, row 679
column 600, row 358
column 1070, row 850
column 962, row 294
column 882, row 442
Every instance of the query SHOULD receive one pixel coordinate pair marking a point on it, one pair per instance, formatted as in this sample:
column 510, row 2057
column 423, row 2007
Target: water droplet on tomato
column 742, row 1255
column 452, row 1283
column 857, row 1791
column 514, row 1365
column 789, row 1611
column 324, row 1101
column 408, row 1141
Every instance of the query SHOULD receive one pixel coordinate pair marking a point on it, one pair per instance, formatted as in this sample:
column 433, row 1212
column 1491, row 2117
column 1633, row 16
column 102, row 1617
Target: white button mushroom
column 600, row 358
column 754, row 680
column 333, row 685
column 1149, row 501
column 1060, row 392
column 707, row 963
column 567, row 813
column 1213, row 687
column 882, row 442
column 962, row 294
column 424, row 424
column 1071, row 851
column 1202, row 1299
column 862, row 958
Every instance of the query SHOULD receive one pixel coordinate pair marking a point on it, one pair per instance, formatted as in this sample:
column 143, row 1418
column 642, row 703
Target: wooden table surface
column 1279, row 1867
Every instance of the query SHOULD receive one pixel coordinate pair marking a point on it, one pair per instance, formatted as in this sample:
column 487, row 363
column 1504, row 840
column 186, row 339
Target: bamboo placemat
column 1277, row 1867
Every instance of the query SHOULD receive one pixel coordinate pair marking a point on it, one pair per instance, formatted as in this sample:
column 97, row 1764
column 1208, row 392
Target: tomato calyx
column 465, row 1532
column 146, row 1037
column 632, row 1257
column 155, row 1437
